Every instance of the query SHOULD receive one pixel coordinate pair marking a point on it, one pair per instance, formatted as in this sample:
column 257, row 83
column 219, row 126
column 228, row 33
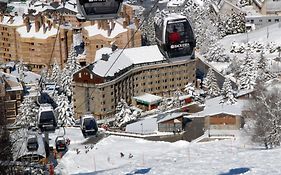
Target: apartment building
column 11, row 95
column 104, row 33
column 268, row 7
column 99, row 86
column 8, row 37
column 36, row 42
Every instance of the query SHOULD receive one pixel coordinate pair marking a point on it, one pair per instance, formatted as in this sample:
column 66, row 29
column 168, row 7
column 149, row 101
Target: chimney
column 1, row 17
column 37, row 23
column 137, row 22
column 125, row 24
column 112, row 25
column 107, row 26
column 37, row 26
column 11, row 19
column 108, row 32
column 43, row 20
column 99, row 24
column 127, row 18
column 103, row 24
column 27, row 24
column 49, row 24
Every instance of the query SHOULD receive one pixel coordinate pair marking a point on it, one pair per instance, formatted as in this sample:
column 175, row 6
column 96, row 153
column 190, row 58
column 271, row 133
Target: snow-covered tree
column 248, row 73
column 56, row 72
column 227, row 92
column 67, row 73
column 263, row 73
column 216, row 53
column 265, row 110
column 189, row 89
column 210, row 84
column 64, row 111
column 27, row 112
column 232, row 24
column 176, row 97
column 124, row 114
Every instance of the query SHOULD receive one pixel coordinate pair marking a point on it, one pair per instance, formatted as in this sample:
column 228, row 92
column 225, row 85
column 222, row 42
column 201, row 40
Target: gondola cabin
column 98, row 9
column 32, row 143
column 60, row 143
column 174, row 35
column 89, row 125
column 46, row 118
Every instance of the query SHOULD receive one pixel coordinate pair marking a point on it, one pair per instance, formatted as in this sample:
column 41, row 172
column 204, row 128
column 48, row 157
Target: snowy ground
column 225, row 157
column 264, row 36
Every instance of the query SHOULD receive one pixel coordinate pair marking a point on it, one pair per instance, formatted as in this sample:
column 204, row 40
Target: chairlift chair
column 89, row 125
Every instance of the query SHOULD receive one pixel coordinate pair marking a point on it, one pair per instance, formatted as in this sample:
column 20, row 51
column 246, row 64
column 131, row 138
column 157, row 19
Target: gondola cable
column 142, row 22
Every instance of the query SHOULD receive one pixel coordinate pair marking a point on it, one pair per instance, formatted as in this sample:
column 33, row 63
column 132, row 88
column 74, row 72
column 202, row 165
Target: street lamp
column 141, row 128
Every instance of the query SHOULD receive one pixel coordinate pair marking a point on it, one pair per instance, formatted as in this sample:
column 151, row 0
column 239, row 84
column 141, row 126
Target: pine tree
column 216, row 53
column 5, row 146
column 56, row 72
column 210, row 83
column 27, row 112
column 64, row 111
column 227, row 92
column 263, row 73
column 248, row 73
column 124, row 114
column 67, row 74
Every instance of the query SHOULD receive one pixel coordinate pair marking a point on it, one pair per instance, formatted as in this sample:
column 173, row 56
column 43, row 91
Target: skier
column 121, row 154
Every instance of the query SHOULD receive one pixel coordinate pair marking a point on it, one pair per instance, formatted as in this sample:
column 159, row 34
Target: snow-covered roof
column 33, row 34
column 176, row 3
column 70, row 6
column 273, row 84
column 19, row 7
column 148, row 98
column 273, row 6
column 183, row 97
column 244, row 92
column 13, row 83
column 169, row 116
column 20, row 147
column 126, row 58
column 102, row 51
column 145, row 126
column 213, row 106
column 93, row 30
column 17, row 21
column 28, row 76
column 10, row 64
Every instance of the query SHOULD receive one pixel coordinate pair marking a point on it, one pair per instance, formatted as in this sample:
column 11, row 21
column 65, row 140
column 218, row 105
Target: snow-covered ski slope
column 162, row 158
